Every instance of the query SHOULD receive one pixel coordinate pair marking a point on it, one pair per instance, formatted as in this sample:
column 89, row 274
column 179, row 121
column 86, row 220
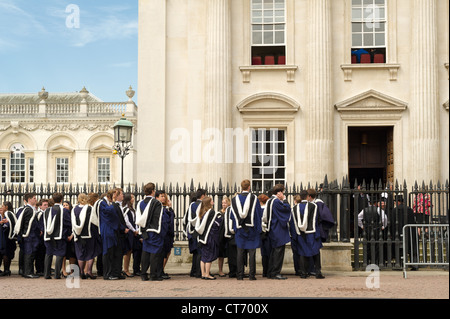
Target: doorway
column 370, row 155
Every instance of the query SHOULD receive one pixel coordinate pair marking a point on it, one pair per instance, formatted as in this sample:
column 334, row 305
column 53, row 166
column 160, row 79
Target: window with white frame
column 103, row 169
column 17, row 170
column 62, row 170
column 31, row 170
column 268, row 34
column 268, row 150
column 3, row 167
column 369, row 31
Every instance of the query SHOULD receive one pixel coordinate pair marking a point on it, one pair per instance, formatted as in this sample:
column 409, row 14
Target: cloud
column 106, row 28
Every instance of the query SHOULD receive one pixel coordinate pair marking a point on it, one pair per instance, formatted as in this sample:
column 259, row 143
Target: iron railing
column 344, row 202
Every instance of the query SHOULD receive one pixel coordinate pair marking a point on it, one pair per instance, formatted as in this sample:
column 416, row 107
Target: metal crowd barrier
column 425, row 245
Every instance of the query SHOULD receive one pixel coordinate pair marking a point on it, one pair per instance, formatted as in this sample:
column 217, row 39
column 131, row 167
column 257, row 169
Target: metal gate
column 425, row 245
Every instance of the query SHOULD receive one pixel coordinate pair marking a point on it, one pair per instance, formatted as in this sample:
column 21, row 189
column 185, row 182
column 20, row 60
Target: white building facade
column 293, row 90
column 62, row 138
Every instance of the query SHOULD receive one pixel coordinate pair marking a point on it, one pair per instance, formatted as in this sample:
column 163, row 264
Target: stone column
column 319, row 108
column 217, row 112
column 424, row 125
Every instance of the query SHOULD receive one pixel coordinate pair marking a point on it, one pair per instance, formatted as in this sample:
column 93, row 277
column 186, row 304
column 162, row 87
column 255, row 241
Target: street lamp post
column 123, row 132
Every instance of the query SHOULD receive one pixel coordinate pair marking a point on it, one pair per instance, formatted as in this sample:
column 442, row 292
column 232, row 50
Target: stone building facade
column 291, row 90
column 61, row 138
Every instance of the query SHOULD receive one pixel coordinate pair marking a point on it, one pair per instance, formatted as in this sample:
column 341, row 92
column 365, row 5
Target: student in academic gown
column 189, row 221
column 27, row 230
column 122, row 230
column 223, row 241
column 111, row 240
column 275, row 223
column 42, row 206
column 170, row 235
column 57, row 233
column 208, row 228
column 152, row 220
column 86, row 237
column 305, row 235
column 7, row 237
column 132, row 237
column 246, row 217
column 228, row 234
column 265, row 242
column 316, row 223
column 294, row 234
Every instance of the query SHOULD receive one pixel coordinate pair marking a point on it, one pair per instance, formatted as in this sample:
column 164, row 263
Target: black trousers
column 112, row 261
column 40, row 258
column 28, row 260
column 154, row 261
column 48, row 265
column 232, row 259
column 276, row 259
column 305, row 264
column 196, row 270
column 241, row 258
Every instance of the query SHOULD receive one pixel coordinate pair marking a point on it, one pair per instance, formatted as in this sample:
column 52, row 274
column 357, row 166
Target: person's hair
column 303, row 194
column 297, row 199
column 193, row 196
column 245, row 184
column 227, row 200
column 28, row 196
column 51, row 202
column 57, row 197
column 110, row 194
column 159, row 192
column 82, row 199
column 42, row 201
column 200, row 192
column 312, row 192
column 278, row 188
column 127, row 201
column 9, row 206
column 70, row 204
column 149, row 188
column 206, row 205
column 92, row 198
column 263, row 198
column 116, row 193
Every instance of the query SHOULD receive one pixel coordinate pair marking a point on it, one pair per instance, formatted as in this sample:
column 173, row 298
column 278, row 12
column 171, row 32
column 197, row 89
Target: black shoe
column 48, row 277
column 156, row 279
column 112, row 278
column 240, row 278
column 278, row 277
column 320, row 276
column 31, row 276
column 165, row 276
column 144, row 277
column 252, row 278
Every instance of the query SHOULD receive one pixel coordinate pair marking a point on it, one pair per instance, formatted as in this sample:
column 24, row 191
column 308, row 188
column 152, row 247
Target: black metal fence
column 429, row 202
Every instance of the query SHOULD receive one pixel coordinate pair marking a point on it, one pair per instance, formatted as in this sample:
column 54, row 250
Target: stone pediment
column 268, row 102
column 371, row 101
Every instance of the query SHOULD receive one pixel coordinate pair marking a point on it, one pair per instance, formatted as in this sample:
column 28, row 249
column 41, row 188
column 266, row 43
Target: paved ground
column 422, row 284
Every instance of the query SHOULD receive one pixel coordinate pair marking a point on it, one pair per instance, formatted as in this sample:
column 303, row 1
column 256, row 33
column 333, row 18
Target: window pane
column 357, row 40
column 368, row 39
column 379, row 39
column 356, row 14
column 356, row 27
column 268, row 37
column 279, row 37
column 257, row 37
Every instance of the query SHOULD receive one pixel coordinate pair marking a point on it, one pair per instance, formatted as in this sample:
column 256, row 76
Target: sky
column 65, row 45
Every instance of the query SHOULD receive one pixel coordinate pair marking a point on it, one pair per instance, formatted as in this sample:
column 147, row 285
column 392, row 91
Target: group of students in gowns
column 101, row 228
column 110, row 231
column 251, row 222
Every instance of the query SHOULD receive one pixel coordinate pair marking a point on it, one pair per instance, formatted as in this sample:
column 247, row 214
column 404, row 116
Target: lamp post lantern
column 123, row 132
